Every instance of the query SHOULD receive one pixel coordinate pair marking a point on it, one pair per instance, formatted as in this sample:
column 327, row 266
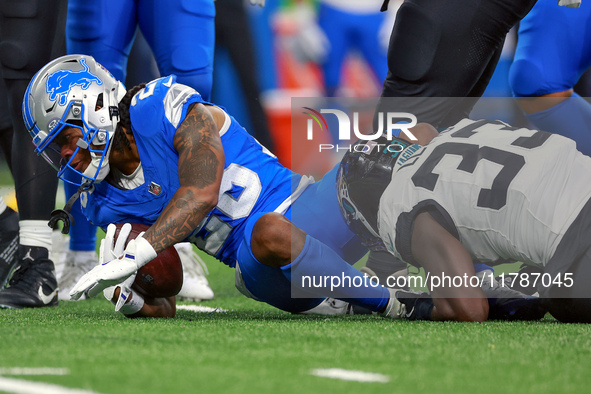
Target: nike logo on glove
column 46, row 299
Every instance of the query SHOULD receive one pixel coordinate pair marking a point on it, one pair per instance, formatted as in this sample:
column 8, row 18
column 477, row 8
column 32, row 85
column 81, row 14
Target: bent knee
column 527, row 79
column 275, row 240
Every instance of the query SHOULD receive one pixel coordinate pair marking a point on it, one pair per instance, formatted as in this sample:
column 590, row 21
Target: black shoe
column 8, row 243
column 506, row 303
column 33, row 282
column 528, row 308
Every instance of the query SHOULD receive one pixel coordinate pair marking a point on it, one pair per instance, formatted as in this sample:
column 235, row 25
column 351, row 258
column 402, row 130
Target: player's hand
column 260, row 3
column 124, row 292
column 111, row 250
column 136, row 255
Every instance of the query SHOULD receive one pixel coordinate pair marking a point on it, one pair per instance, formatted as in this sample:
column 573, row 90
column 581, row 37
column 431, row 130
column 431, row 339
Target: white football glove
column 136, row 255
column 109, row 249
column 260, row 3
column 123, row 304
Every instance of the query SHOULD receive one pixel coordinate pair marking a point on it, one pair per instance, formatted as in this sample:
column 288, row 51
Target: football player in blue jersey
column 181, row 36
column 160, row 154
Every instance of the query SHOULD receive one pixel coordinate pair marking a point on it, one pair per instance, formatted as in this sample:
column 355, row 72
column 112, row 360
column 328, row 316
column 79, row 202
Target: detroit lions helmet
column 73, row 91
column 364, row 173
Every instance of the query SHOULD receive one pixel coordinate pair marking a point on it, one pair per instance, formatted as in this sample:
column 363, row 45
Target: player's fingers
column 110, row 235
column 102, row 251
column 78, row 289
column 95, row 289
column 120, row 244
column 123, row 297
column 86, row 282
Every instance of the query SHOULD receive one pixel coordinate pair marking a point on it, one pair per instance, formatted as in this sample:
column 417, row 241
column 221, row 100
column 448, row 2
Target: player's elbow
column 473, row 310
column 211, row 201
column 208, row 200
column 462, row 309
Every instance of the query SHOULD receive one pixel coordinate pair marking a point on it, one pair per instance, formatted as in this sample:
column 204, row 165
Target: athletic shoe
column 509, row 304
column 415, row 309
column 195, row 284
column 33, row 282
column 8, row 243
column 77, row 264
column 400, row 302
column 395, row 308
column 331, row 306
column 390, row 281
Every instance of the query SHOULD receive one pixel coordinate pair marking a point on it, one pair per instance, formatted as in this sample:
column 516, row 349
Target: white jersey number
column 496, row 196
column 249, row 185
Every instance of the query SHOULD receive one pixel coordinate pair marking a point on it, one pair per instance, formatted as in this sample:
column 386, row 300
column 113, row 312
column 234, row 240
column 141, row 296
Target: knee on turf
column 463, row 309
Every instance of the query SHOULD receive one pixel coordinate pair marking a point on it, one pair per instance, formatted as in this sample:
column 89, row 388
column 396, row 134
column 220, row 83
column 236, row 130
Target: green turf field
column 252, row 348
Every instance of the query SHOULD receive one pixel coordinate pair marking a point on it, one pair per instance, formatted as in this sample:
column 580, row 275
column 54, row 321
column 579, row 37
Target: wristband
column 142, row 253
column 133, row 305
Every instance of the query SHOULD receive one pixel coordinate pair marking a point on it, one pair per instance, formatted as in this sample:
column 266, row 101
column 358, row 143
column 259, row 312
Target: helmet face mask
column 73, row 91
column 352, row 215
column 363, row 175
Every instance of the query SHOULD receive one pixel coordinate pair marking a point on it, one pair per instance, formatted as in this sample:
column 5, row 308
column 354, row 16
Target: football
column 161, row 277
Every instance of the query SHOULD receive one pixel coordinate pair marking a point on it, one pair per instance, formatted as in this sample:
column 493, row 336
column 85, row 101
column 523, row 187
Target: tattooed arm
column 201, row 165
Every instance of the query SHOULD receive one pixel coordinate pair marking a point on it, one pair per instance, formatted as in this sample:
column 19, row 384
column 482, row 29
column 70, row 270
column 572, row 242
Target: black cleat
column 33, row 283
column 8, row 243
column 528, row 308
column 506, row 303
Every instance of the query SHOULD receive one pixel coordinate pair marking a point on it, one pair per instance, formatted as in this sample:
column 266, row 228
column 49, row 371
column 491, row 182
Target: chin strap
column 64, row 215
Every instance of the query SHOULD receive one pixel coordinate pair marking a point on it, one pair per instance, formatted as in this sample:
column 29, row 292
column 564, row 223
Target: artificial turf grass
column 254, row 348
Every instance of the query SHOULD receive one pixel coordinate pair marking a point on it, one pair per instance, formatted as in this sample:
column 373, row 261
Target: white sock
column 35, row 233
column 84, row 255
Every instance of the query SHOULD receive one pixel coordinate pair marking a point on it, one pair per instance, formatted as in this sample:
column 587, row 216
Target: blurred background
column 287, row 49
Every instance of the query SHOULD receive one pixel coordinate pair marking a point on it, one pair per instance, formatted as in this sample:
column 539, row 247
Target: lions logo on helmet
column 364, row 174
column 73, row 91
column 61, row 82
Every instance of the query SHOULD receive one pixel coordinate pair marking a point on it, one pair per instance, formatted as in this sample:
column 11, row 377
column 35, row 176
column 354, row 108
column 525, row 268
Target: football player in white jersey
column 479, row 191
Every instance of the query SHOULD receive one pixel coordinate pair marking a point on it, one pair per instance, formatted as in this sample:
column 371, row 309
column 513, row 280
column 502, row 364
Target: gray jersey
column 507, row 194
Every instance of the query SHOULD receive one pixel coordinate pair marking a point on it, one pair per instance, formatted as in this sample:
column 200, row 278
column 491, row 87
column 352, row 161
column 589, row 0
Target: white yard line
column 347, row 374
column 200, row 309
column 34, row 371
column 10, row 385
column 18, row 386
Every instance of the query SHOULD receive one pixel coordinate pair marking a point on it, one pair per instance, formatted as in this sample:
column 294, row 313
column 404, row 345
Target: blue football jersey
column 253, row 180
